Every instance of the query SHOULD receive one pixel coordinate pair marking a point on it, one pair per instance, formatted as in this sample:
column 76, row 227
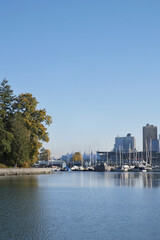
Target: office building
column 129, row 143
column 118, row 146
column 125, row 144
column 149, row 137
column 154, row 145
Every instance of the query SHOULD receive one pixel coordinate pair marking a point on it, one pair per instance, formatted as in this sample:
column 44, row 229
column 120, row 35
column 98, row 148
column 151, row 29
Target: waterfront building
column 149, row 137
column 50, row 163
column 57, row 163
column 102, row 156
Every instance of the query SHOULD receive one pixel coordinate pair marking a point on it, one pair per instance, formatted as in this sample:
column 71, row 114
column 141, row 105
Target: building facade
column 149, row 137
column 125, row 144
column 118, row 146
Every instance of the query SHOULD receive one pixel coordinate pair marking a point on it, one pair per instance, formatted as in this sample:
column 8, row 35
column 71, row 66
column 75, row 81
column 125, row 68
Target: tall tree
column 6, row 137
column 6, row 102
column 22, row 127
column 77, row 157
column 20, row 154
column 44, row 154
column 35, row 121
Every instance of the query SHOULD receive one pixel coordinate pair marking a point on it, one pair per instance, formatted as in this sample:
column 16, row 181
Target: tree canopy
column 44, row 154
column 77, row 157
column 22, row 127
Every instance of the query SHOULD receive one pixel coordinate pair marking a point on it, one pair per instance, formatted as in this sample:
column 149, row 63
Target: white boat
column 81, row 168
column 141, row 167
column 74, row 168
column 90, row 169
column 126, row 167
column 122, row 168
column 135, row 169
column 55, row 169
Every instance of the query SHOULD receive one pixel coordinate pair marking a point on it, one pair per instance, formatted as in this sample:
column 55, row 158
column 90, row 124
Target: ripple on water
column 80, row 206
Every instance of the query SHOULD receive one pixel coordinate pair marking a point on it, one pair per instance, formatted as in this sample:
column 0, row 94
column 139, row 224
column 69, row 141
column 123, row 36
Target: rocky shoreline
column 24, row 171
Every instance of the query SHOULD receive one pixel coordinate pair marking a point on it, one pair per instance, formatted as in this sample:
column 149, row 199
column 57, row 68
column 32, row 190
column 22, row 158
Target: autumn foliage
column 22, row 127
column 77, row 157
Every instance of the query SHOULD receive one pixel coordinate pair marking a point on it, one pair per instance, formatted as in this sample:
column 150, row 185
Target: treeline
column 22, row 127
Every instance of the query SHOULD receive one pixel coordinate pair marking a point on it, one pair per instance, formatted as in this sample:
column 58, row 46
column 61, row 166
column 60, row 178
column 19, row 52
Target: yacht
column 102, row 167
column 122, row 168
column 74, row 168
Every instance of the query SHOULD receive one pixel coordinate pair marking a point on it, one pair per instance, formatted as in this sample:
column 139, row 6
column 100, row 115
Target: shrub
column 25, row 165
column 2, row 165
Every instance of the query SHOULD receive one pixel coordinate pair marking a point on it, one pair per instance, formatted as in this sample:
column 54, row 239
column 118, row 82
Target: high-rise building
column 149, row 135
column 118, row 146
column 129, row 143
column 154, row 145
column 125, row 144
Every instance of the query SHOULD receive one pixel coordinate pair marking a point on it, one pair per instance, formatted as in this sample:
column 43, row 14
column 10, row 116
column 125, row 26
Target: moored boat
column 122, row 168
column 100, row 167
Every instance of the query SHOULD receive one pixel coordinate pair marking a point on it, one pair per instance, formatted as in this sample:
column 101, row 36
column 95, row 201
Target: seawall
column 24, row 171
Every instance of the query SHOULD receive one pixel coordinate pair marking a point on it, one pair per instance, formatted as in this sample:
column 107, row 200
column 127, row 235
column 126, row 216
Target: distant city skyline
column 93, row 65
column 126, row 144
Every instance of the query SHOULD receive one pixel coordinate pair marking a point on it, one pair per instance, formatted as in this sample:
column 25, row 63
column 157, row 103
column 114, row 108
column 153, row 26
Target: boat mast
column 90, row 159
column 120, row 154
column 129, row 155
column 107, row 159
column 146, row 154
column 151, row 152
column 116, row 156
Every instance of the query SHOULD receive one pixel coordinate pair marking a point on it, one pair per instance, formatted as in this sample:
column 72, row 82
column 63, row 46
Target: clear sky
column 93, row 64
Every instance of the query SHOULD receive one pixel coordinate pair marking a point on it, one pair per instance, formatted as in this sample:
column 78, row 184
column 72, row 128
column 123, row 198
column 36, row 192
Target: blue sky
column 94, row 65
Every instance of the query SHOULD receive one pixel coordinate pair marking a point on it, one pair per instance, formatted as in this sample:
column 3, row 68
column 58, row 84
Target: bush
column 25, row 165
column 2, row 165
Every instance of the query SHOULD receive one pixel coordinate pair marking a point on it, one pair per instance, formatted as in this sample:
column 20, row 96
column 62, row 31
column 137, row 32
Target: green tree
column 21, row 142
column 44, row 154
column 6, row 102
column 6, row 137
column 22, row 127
column 35, row 121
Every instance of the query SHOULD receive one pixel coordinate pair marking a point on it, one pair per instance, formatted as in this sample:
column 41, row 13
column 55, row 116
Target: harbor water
column 80, row 205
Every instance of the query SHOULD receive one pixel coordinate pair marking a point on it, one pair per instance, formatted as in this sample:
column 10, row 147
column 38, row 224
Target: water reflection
column 146, row 180
column 19, row 181
column 108, row 179
column 84, row 179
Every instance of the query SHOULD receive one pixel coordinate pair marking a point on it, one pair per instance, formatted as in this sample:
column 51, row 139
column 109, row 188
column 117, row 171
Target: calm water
column 80, row 205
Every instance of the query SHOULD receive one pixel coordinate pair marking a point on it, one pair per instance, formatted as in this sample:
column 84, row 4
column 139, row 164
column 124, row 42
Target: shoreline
column 24, row 171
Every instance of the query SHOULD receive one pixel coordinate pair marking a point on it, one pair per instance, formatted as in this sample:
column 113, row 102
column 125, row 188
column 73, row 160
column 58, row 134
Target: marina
column 136, row 166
